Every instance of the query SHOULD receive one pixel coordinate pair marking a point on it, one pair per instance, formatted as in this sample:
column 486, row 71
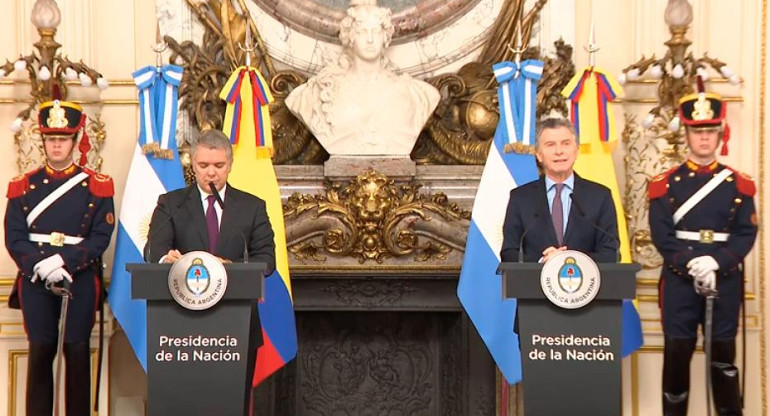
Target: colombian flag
column 591, row 92
column 247, row 123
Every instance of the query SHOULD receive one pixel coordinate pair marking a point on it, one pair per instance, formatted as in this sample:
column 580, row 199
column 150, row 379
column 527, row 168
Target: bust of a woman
column 358, row 105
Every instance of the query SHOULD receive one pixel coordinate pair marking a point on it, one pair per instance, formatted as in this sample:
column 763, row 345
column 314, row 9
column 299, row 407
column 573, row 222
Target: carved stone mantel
column 382, row 338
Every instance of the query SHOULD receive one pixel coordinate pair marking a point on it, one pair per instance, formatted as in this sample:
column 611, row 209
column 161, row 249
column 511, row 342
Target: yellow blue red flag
column 591, row 92
column 247, row 124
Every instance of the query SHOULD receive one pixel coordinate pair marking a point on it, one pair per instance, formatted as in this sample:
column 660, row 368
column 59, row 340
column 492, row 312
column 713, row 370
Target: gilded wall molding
column 372, row 218
column 649, row 152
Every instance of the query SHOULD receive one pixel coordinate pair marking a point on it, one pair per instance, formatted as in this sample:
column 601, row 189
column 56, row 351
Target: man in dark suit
column 180, row 223
column 192, row 219
column 560, row 210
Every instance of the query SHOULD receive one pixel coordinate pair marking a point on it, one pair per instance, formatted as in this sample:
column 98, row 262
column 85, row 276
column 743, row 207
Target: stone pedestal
column 458, row 183
column 395, row 167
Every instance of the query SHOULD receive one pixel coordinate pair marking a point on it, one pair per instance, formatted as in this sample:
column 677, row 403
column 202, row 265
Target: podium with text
column 197, row 360
column 571, row 358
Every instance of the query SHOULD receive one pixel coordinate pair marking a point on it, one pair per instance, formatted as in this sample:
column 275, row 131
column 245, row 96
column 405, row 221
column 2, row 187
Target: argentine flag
column 480, row 288
column 149, row 176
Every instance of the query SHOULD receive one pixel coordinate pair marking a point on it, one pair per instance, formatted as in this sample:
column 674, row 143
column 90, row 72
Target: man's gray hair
column 213, row 139
column 553, row 123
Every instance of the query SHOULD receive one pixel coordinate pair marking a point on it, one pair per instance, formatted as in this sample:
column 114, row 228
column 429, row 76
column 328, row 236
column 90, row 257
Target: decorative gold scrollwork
column 373, row 218
column 207, row 69
column 461, row 129
column 649, row 152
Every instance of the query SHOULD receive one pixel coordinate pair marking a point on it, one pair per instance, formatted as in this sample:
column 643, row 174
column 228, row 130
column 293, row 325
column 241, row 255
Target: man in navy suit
column 192, row 219
column 559, row 211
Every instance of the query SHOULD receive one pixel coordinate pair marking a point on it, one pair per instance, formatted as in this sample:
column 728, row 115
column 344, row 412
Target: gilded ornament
column 373, row 218
column 520, row 148
column 464, row 123
column 207, row 66
column 459, row 131
column 702, row 109
column 57, row 117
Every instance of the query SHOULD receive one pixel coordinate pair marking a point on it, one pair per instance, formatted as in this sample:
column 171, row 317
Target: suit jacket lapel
column 195, row 209
column 543, row 207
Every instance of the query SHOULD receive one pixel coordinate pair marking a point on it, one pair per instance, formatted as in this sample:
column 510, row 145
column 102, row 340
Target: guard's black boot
column 78, row 385
column 40, row 379
column 724, row 377
column 677, row 353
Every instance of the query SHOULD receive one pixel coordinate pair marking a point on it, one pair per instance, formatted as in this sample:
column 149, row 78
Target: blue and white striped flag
column 148, row 177
column 480, row 288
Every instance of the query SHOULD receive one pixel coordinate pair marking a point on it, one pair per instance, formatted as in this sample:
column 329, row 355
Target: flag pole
column 504, row 397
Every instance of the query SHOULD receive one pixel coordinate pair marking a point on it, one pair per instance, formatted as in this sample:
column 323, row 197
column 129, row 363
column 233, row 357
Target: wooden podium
column 198, row 361
column 571, row 358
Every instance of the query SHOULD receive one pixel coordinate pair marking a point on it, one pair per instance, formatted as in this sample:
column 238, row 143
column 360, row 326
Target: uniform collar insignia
column 711, row 167
column 58, row 174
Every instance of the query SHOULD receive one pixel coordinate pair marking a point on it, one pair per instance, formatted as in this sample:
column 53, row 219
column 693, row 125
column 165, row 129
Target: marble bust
column 358, row 105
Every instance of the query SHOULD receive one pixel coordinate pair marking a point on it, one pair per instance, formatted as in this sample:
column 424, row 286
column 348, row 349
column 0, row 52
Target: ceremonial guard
column 58, row 222
column 703, row 222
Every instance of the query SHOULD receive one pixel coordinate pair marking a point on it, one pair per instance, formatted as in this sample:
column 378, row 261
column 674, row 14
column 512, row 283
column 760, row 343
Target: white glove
column 46, row 266
column 707, row 281
column 58, row 275
column 700, row 266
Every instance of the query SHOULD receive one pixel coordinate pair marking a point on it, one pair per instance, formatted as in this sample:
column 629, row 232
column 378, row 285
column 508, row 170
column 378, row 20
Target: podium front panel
column 570, row 358
column 197, row 361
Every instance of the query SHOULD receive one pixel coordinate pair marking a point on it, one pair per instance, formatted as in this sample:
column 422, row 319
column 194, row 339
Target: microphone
column 245, row 247
column 214, row 192
column 524, row 234
column 582, row 214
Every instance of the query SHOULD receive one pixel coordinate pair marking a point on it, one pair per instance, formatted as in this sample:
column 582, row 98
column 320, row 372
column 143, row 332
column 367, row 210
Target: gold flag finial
column 159, row 46
column 592, row 46
column 248, row 46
